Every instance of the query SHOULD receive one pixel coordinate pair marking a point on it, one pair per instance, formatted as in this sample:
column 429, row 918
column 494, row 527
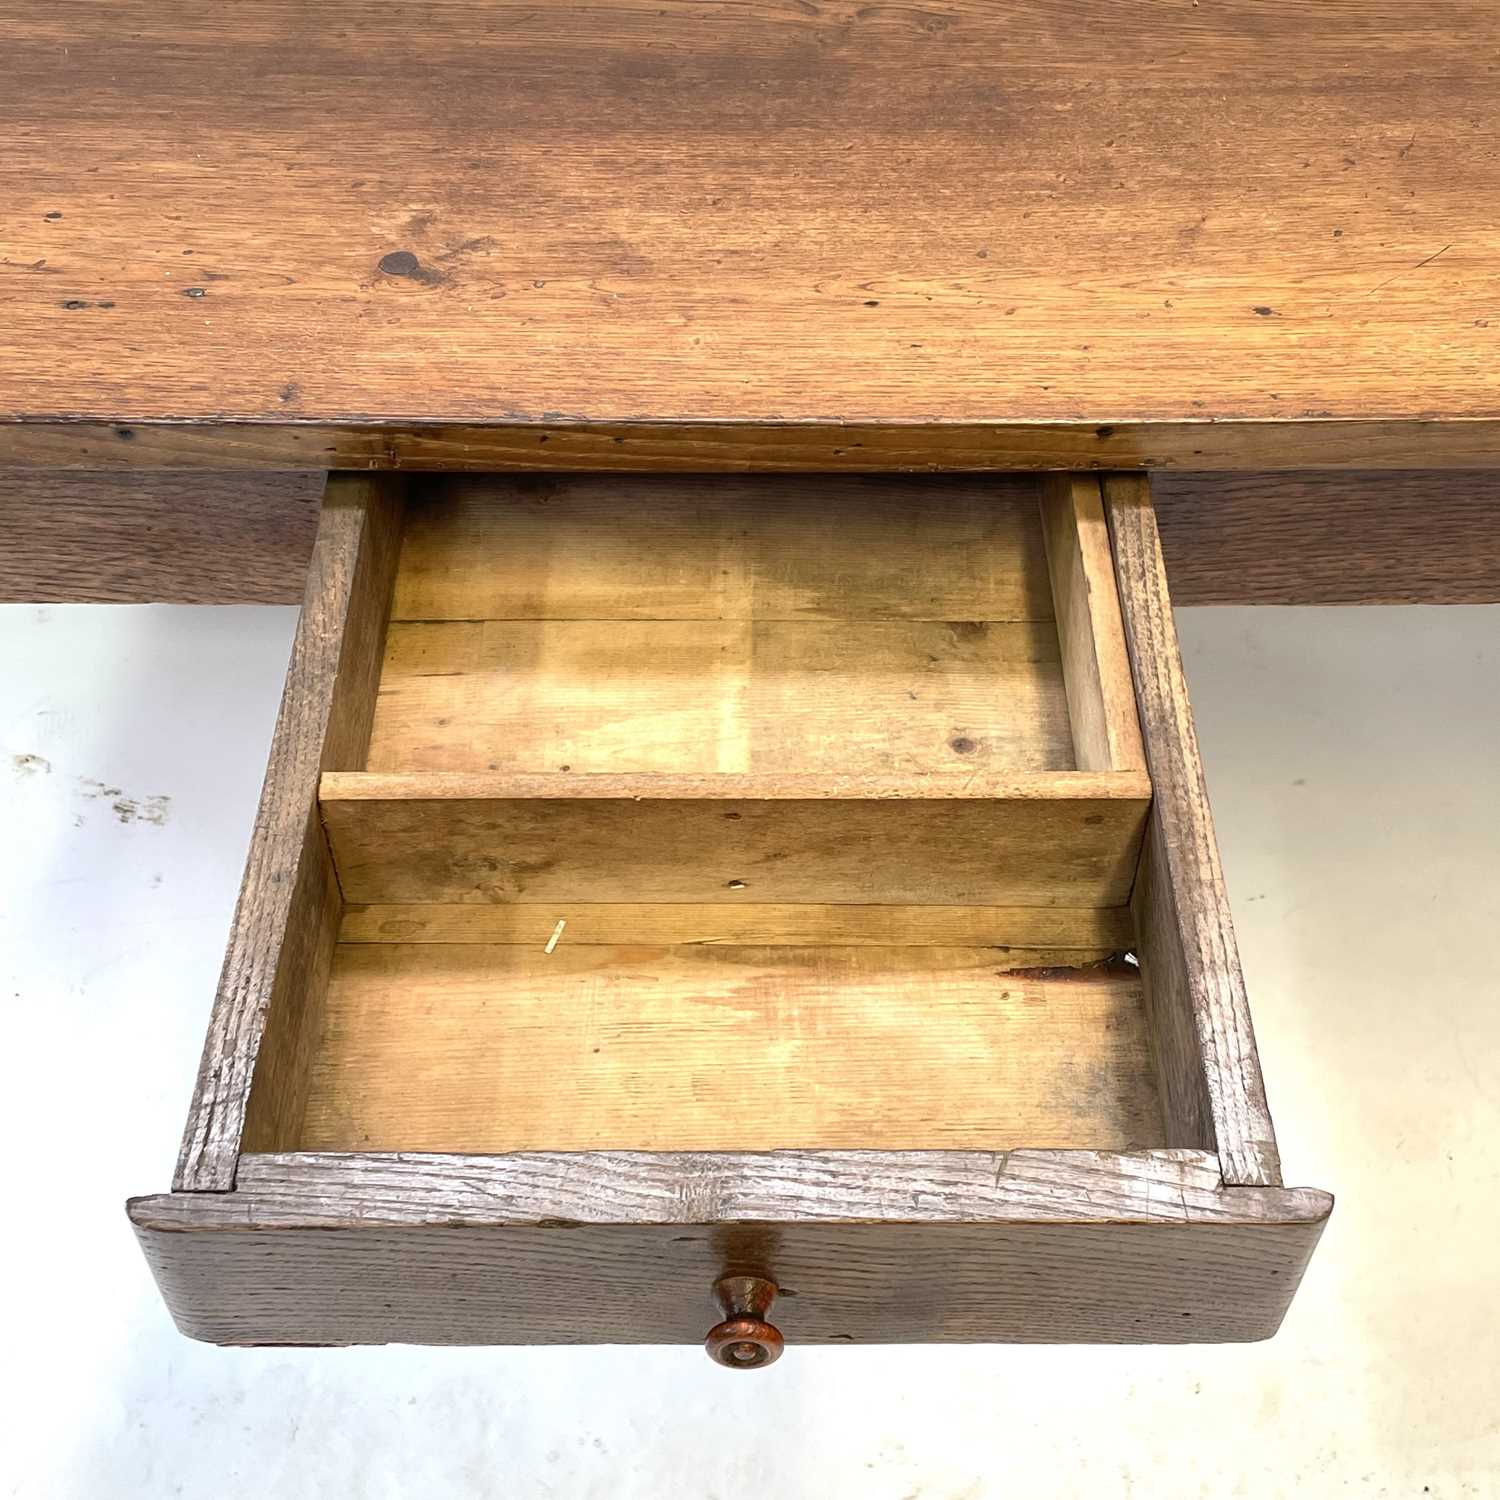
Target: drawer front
column 863, row 1247
column 804, row 880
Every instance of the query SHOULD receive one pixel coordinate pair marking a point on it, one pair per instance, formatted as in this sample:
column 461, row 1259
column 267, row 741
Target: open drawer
column 780, row 879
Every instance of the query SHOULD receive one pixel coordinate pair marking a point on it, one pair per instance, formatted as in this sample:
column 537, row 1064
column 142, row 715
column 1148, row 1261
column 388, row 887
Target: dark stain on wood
column 404, row 263
column 1113, row 963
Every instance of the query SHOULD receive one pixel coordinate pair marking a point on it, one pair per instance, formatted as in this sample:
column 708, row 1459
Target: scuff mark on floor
column 148, row 810
column 29, row 765
column 154, row 810
column 93, row 788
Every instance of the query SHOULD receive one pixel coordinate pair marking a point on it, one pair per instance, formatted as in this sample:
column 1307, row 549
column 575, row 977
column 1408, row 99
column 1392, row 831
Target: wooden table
column 1231, row 239
column 1251, row 235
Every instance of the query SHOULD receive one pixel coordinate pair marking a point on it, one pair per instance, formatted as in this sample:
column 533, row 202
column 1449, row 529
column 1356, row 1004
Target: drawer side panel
column 1195, row 991
column 286, row 920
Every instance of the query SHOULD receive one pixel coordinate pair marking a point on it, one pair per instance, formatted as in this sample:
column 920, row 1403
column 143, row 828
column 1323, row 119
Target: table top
column 1134, row 217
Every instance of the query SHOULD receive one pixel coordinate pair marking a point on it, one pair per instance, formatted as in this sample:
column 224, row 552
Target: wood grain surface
column 852, row 698
column 1096, row 669
column 995, row 214
column 1308, row 537
column 1195, row 993
column 1391, row 443
column 1330, row 538
column 1168, row 1186
column 286, row 920
column 263, row 1050
column 695, row 1047
column 1018, row 934
column 572, row 841
column 782, row 548
column 906, row 1247
column 156, row 538
column 798, row 624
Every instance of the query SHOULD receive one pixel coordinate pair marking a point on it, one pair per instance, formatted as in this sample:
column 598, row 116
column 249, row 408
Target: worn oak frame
column 762, row 446
column 1195, row 1243
column 216, row 536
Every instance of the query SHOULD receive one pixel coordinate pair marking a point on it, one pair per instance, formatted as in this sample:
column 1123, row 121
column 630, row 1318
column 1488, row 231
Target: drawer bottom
column 461, row 1047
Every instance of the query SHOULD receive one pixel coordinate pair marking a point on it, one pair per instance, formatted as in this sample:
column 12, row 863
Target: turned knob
column 744, row 1340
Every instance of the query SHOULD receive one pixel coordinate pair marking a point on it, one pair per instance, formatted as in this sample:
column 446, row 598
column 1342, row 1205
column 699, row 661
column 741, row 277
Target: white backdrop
column 1354, row 760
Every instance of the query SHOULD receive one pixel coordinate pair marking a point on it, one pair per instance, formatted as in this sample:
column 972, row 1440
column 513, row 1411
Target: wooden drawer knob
column 744, row 1340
